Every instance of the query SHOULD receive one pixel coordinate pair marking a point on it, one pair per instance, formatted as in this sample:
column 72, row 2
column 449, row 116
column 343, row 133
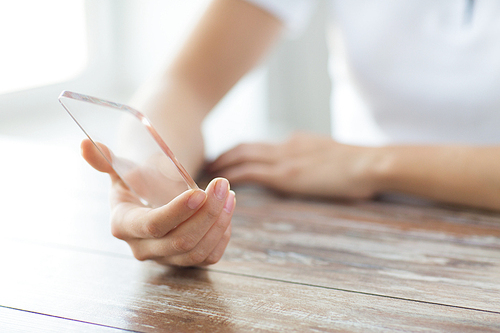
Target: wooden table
column 292, row 265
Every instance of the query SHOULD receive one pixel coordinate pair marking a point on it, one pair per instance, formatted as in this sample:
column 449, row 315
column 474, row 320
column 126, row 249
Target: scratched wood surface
column 121, row 292
column 429, row 254
column 13, row 320
column 293, row 265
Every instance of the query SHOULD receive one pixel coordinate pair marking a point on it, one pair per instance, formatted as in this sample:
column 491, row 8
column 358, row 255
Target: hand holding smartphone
column 130, row 144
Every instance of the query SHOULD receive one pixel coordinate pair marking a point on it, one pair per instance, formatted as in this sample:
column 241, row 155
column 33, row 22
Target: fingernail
column 221, row 188
column 196, row 199
column 230, row 201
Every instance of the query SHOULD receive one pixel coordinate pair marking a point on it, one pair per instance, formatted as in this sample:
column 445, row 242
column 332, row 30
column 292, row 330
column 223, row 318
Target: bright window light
column 43, row 42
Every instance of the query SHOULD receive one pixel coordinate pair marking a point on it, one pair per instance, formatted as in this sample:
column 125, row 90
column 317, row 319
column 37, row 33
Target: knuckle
column 242, row 147
column 216, row 256
column 243, row 150
column 221, row 224
column 197, row 257
column 212, row 213
column 152, row 229
column 287, row 171
column 139, row 255
column 183, row 244
column 287, row 149
column 163, row 261
column 116, row 231
column 212, row 259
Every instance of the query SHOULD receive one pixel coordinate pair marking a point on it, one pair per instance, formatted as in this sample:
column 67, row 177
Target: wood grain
column 18, row 321
column 122, row 292
column 429, row 254
column 292, row 264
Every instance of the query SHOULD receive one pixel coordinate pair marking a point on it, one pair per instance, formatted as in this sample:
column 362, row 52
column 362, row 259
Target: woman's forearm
column 229, row 40
column 463, row 175
column 176, row 114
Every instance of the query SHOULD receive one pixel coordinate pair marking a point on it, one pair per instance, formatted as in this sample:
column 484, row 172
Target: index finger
column 94, row 157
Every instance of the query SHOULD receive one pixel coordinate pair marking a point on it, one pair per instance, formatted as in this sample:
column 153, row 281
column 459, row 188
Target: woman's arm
column 456, row 174
column 194, row 228
column 315, row 165
column 231, row 38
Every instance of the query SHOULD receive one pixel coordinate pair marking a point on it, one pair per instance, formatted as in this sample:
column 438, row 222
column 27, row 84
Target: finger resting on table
column 252, row 172
column 246, row 152
column 219, row 250
column 208, row 251
column 192, row 241
column 219, row 233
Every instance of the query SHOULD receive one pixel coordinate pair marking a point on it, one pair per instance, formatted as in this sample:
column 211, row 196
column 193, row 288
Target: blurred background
column 108, row 48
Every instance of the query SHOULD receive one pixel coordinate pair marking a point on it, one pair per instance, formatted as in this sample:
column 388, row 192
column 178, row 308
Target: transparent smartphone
column 133, row 148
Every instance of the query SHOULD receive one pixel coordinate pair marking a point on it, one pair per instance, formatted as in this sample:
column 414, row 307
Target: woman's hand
column 306, row 164
column 192, row 229
column 315, row 165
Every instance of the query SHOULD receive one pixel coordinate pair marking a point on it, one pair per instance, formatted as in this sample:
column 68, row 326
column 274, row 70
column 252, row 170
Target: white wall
column 299, row 84
column 129, row 40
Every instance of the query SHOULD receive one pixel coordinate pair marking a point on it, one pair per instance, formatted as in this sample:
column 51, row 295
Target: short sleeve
column 295, row 14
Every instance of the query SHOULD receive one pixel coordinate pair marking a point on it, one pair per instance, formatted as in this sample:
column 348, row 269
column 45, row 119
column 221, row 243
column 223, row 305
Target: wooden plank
column 430, row 254
column 125, row 293
column 17, row 321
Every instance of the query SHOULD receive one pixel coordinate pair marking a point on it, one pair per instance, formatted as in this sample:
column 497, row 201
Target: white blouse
column 410, row 71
